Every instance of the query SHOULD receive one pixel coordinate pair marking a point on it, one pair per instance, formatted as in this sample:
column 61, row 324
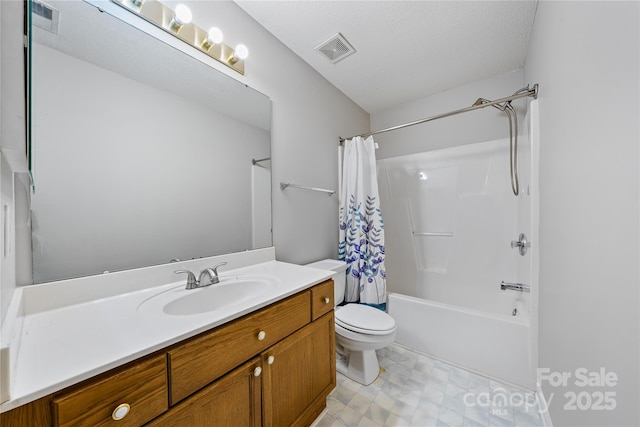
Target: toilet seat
column 364, row 319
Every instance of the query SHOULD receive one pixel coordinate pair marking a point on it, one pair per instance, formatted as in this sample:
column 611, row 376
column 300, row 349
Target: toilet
column 360, row 330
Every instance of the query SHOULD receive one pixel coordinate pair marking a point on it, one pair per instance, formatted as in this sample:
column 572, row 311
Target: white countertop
column 63, row 345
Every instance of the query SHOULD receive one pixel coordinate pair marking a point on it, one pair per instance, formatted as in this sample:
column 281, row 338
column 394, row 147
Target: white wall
column 486, row 124
column 585, row 56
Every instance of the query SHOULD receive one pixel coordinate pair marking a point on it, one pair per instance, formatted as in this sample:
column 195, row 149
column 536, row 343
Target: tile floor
column 418, row 391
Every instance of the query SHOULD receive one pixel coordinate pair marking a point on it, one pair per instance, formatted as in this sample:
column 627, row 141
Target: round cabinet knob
column 326, row 300
column 261, row 335
column 270, row 360
column 257, row 371
column 121, row 411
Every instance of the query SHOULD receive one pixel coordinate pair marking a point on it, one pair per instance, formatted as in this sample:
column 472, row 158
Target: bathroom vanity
column 269, row 366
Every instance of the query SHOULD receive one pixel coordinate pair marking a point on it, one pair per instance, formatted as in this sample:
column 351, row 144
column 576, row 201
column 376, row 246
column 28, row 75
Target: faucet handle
column 213, row 274
column 191, row 278
column 215, row 268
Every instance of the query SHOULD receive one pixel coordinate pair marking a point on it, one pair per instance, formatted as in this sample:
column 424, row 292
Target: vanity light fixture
column 180, row 17
column 214, row 37
column 240, row 52
column 178, row 23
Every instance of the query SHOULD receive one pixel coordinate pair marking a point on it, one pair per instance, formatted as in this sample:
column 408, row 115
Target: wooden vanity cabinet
column 273, row 367
column 291, row 380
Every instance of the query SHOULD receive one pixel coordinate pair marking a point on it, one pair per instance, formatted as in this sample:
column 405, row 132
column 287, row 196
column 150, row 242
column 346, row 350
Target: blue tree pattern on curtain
column 362, row 244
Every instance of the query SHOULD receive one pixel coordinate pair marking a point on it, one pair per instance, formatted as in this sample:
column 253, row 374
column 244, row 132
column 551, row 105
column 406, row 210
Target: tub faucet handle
column 522, row 244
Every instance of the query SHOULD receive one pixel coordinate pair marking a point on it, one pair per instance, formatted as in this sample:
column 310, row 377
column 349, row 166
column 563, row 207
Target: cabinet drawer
column 142, row 386
column 322, row 299
column 200, row 361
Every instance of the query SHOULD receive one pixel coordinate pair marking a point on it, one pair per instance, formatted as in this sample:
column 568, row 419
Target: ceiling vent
column 336, row 48
column 45, row 16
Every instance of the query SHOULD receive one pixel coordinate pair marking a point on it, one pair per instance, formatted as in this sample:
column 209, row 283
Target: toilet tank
column 339, row 278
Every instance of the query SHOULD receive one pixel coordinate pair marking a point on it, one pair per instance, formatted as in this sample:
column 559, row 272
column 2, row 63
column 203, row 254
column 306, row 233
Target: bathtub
column 496, row 345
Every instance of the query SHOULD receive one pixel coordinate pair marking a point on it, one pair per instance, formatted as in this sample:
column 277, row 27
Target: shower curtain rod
column 530, row 92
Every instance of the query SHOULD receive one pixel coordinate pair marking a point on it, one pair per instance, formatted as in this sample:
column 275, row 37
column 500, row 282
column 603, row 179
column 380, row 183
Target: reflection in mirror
column 141, row 154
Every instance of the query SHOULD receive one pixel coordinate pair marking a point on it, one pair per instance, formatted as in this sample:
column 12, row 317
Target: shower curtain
column 361, row 240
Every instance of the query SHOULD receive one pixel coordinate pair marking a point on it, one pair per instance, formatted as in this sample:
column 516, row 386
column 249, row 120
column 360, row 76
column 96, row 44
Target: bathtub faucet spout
column 514, row 287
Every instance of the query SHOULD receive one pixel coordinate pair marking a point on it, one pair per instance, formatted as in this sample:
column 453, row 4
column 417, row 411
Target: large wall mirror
column 140, row 153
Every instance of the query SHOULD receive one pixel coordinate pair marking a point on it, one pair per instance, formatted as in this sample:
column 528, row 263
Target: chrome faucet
column 212, row 272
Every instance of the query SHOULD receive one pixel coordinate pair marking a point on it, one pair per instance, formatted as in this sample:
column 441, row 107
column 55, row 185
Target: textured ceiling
column 405, row 49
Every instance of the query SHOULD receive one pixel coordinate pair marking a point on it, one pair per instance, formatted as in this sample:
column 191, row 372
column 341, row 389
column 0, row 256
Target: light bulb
column 214, row 36
column 240, row 52
column 181, row 16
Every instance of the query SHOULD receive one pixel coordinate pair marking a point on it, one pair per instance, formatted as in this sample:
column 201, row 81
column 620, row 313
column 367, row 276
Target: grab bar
column 284, row 185
column 433, row 234
column 256, row 161
column 514, row 287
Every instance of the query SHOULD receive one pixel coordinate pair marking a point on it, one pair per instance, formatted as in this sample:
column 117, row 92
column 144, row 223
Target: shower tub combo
column 459, row 288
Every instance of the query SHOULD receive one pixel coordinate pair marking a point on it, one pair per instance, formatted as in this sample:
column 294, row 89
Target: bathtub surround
column 450, row 218
column 361, row 228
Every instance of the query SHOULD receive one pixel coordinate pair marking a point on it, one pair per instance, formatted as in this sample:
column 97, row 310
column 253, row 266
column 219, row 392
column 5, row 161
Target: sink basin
column 229, row 293
column 216, row 297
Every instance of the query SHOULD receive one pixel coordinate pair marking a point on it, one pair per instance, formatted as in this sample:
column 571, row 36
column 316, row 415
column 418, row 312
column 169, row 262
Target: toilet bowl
column 360, row 330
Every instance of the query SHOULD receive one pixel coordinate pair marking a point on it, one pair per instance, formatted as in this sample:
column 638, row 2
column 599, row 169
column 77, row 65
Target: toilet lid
column 364, row 319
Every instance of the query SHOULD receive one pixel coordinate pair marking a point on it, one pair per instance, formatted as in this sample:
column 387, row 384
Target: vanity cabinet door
column 299, row 373
column 231, row 401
